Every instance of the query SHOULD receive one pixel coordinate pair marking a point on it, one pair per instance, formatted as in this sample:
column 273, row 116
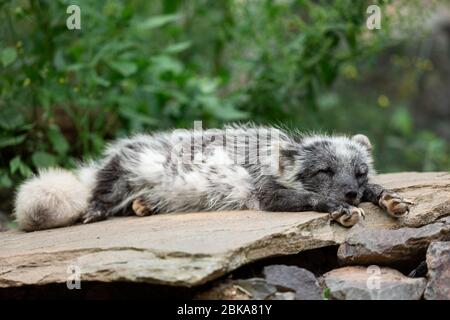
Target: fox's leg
column 110, row 190
column 390, row 201
column 293, row 200
column 96, row 211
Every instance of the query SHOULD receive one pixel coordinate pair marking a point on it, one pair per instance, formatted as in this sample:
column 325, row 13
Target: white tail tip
column 53, row 198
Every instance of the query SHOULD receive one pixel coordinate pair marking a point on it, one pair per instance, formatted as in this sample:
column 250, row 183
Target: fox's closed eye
column 327, row 171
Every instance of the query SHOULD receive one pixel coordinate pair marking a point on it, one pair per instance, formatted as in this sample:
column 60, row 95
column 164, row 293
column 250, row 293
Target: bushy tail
column 54, row 198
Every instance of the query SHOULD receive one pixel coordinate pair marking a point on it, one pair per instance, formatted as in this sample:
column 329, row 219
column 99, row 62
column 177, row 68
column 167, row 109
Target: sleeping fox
column 234, row 168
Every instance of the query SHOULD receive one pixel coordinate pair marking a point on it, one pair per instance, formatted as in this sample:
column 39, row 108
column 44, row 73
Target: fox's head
column 334, row 166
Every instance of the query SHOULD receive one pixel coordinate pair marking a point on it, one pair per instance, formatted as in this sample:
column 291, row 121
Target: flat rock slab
column 429, row 190
column 372, row 283
column 188, row 249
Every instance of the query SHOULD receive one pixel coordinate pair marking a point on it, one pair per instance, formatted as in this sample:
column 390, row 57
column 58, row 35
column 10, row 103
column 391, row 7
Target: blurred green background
column 149, row 65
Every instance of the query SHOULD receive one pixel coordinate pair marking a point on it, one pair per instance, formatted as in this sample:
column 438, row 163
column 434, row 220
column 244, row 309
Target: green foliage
column 299, row 50
column 326, row 294
column 147, row 65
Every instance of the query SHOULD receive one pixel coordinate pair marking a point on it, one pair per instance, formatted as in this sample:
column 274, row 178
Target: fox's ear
column 363, row 140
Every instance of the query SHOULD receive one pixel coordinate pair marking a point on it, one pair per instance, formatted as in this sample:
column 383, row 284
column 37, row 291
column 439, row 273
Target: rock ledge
column 192, row 249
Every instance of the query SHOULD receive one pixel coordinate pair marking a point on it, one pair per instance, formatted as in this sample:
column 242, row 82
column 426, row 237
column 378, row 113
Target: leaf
column 8, row 56
column 136, row 116
column 231, row 114
column 178, row 47
column 167, row 64
column 157, row 21
column 125, row 68
column 100, row 81
column 326, row 293
column 11, row 141
column 5, row 180
column 208, row 85
column 25, row 171
column 59, row 142
column 227, row 113
column 43, row 159
column 402, row 121
column 17, row 164
column 11, row 119
column 58, row 60
column 97, row 142
column 328, row 101
column 14, row 164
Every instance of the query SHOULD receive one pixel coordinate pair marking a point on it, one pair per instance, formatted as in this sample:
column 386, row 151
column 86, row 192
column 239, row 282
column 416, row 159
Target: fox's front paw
column 347, row 215
column 394, row 204
column 140, row 209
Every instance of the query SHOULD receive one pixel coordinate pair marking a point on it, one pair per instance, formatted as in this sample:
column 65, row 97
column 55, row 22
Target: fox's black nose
column 351, row 195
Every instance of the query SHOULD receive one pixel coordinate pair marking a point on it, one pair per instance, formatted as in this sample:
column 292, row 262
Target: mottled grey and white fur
column 235, row 168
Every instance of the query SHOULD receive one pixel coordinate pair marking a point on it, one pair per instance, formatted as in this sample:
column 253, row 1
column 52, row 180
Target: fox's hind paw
column 140, row 209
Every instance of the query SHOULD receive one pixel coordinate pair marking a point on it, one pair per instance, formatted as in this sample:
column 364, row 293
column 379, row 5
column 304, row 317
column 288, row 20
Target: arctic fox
column 235, row 168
